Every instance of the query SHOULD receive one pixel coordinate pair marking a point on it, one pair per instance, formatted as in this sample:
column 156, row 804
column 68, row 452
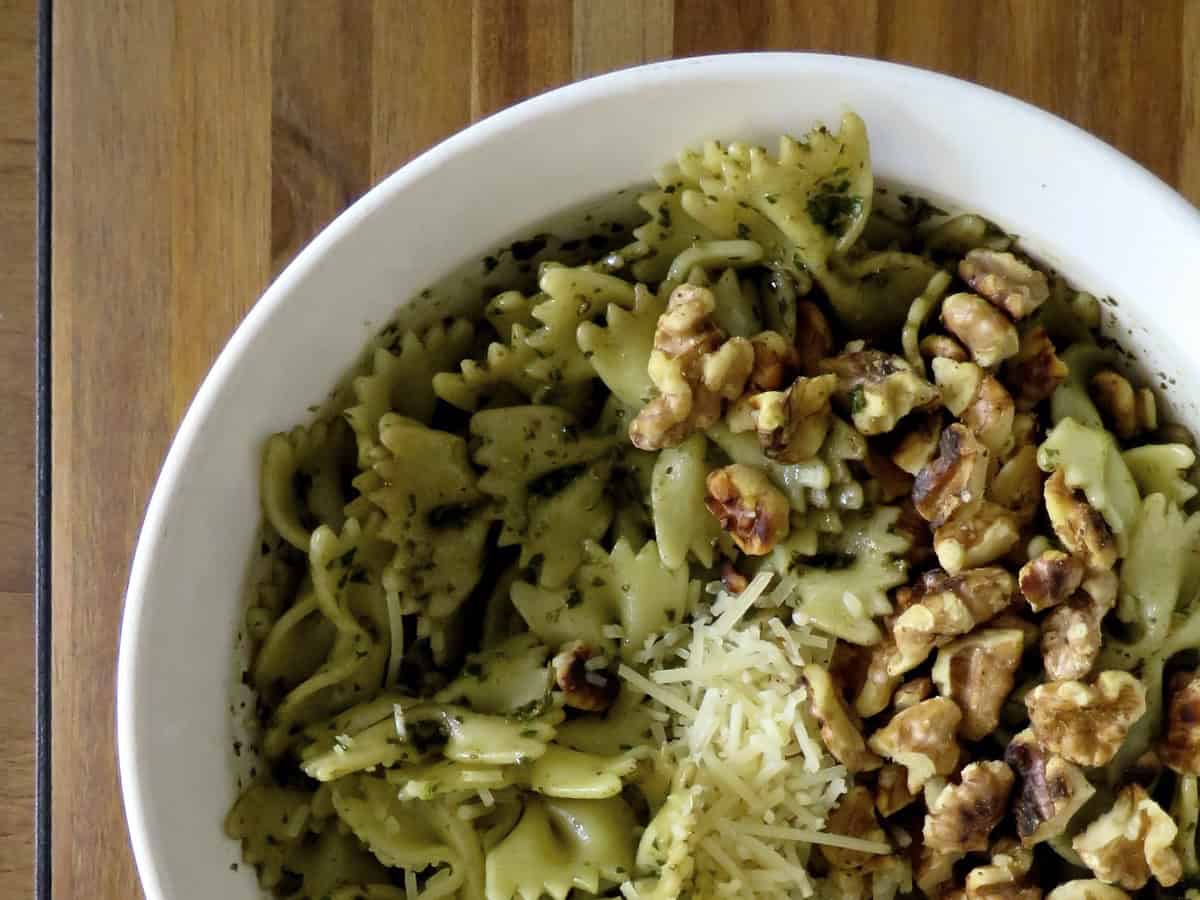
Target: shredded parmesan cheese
column 726, row 697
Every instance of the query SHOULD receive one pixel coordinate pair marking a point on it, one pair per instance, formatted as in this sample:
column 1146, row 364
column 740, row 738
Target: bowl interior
column 1076, row 204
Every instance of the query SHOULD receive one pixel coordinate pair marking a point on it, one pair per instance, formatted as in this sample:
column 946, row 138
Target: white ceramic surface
column 1076, row 203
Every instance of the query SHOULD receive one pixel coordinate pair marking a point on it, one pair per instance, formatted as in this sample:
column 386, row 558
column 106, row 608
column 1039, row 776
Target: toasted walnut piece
column 976, row 537
column 792, row 424
column 982, row 402
column 1013, row 285
column 941, row 607
column 725, row 370
column 954, row 482
column 912, row 692
column 594, row 694
column 1131, row 843
column 1050, row 790
column 753, row 511
column 985, row 331
column 1030, row 631
column 891, row 790
column 919, row 444
column 854, row 816
column 1014, row 856
column 934, row 346
column 878, row 388
column 878, row 684
column 1050, row 579
column 934, row 872
column 1087, row 889
column 1078, row 525
column 1086, row 723
column 691, row 370
column 733, row 580
column 1125, row 411
column 814, row 337
column 922, row 739
column 1181, row 743
column 996, row 882
column 977, row 672
column 849, row 884
column 774, row 362
column 1071, row 634
column 964, row 814
column 839, row 731
column 1035, row 371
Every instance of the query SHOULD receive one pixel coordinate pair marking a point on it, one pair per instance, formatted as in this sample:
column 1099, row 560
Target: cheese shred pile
column 753, row 785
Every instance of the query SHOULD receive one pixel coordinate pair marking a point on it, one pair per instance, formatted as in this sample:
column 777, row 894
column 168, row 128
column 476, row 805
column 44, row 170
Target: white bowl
column 1076, row 203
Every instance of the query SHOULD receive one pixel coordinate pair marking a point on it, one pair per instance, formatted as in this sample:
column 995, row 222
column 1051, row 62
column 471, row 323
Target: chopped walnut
column 754, row 512
column 854, row 816
column 1050, row 579
column 891, row 790
column 1125, row 411
column 792, row 424
column 1035, row 371
column 1131, row 843
column 693, row 368
column 954, row 482
column 1013, row 856
column 964, row 814
column 976, row 537
column 922, row 739
column 942, row 607
column 977, row 672
column 942, row 346
column 982, row 402
column 934, row 871
column 1084, row 723
column 1030, row 631
column 733, row 580
column 919, row 444
column 1013, row 285
column 725, row 370
column 985, row 331
column 1078, row 525
column 814, row 337
column 879, row 388
column 913, row 692
column 1018, row 485
column 1087, row 889
column 589, row 694
column 1181, row 743
column 997, row 882
column 774, row 361
column 878, row 683
column 1071, row 634
column 1050, row 789
column 839, row 731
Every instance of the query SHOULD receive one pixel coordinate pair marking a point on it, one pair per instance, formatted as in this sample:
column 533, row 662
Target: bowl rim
column 1165, row 198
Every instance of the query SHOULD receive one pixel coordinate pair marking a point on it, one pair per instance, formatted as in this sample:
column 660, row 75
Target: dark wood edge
column 41, row 802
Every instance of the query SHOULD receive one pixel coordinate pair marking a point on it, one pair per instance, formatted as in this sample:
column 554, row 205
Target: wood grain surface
column 198, row 144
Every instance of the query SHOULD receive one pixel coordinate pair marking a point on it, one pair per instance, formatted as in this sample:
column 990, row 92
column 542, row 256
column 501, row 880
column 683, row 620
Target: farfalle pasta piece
column 682, row 523
column 619, row 350
column 300, row 480
column 401, row 380
column 559, row 845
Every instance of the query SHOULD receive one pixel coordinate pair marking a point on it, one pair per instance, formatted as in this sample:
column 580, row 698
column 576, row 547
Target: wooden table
column 198, row 144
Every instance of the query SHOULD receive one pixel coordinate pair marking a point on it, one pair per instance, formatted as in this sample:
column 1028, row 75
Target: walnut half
column 922, row 739
column 964, row 814
column 1078, row 525
column 1131, row 843
column 792, row 424
column 940, row 607
column 954, row 482
column 977, row 672
column 754, row 512
column 839, row 731
column 1086, row 723
column 985, row 331
column 1071, row 633
column 878, row 388
column 1181, row 743
column 1009, row 283
column 1087, row 889
column 1050, row 579
column 1050, row 789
